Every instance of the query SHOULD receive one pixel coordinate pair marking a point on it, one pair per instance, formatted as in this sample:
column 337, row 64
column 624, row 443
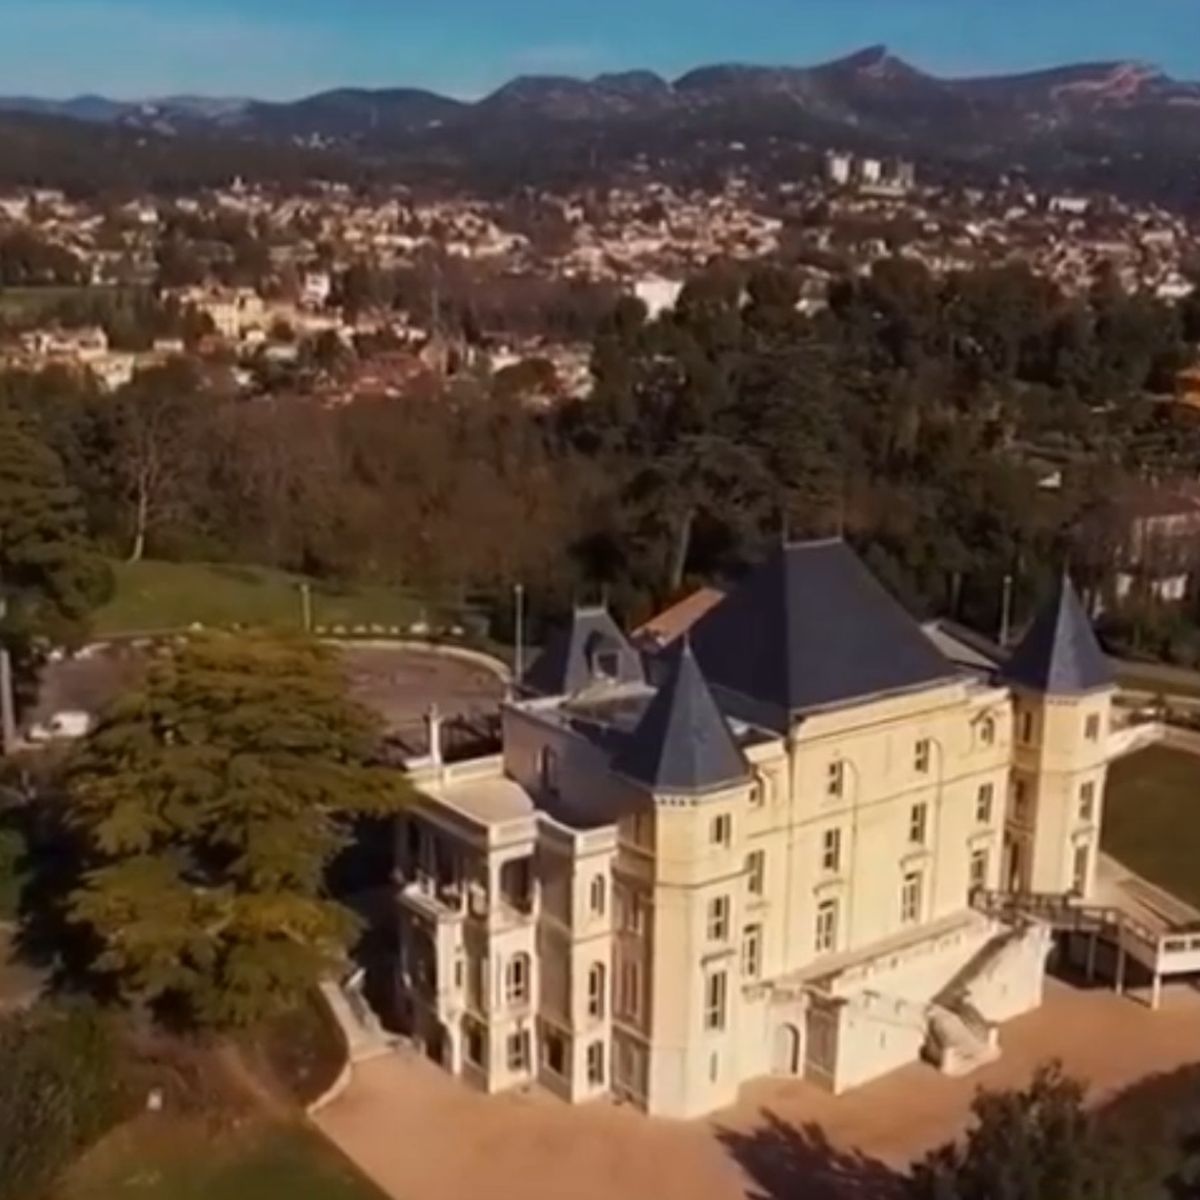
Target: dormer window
column 548, row 771
column 606, row 665
column 603, row 658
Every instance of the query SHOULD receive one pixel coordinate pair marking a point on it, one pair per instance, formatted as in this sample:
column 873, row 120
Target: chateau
column 759, row 848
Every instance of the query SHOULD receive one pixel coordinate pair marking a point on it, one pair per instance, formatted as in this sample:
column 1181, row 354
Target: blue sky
column 279, row 48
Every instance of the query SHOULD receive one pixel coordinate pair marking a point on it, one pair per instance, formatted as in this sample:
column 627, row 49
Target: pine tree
column 210, row 802
column 49, row 574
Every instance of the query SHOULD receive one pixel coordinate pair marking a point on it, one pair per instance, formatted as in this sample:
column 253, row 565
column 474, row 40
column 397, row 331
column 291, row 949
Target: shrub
column 60, row 1089
column 12, row 869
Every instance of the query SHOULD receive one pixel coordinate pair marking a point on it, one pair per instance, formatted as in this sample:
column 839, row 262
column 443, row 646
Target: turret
column 1062, row 685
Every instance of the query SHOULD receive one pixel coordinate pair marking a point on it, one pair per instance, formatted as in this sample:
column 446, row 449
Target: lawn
column 31, row 303
column 276, row 1162
column 1152, row 818
column 158, row 596
column 1159, row 680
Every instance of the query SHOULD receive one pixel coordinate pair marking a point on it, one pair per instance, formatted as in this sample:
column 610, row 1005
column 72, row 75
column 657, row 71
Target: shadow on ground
column 789, row 1162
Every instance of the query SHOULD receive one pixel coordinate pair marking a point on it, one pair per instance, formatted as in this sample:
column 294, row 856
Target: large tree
column 1038, row 1144
column 50, row 577
column 209, row 803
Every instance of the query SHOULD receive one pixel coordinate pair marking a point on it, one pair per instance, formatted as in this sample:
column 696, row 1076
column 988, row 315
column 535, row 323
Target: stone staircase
column 960, row 1041
column 365, row 1035
column 960, row 1038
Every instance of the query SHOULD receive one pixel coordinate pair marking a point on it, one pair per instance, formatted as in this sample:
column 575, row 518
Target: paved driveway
column 423, row 1136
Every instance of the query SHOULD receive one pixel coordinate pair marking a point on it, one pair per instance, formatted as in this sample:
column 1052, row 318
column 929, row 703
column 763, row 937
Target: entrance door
column 786, row 1054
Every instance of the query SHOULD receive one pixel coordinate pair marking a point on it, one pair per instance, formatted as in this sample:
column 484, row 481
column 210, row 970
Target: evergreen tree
column 1037, row 1144
column 210, row 802
column 50, row 577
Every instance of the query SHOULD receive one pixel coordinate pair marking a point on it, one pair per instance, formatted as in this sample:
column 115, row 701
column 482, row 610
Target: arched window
column 516, row 979
column 596, row 985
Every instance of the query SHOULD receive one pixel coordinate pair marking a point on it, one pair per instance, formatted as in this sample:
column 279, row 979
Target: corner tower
column 1062, row 687
column 683, row 756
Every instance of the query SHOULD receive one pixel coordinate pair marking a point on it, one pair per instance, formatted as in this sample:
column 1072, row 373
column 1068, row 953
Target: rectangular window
column 631, row 912
column 1087, row 802
column 1080, row 868
column 921, row 754
column 631, row 990
column 596, row 985
column 518, row 1052
column 722, row 830
column 1021, row 801
column 1091, row 728
column 983, row 803
column 516, row 979
column 987, row 731
column 835, row 779
column 637, row 908
column 756, row 869
column 718, row 919
column 827, row 920
column 715, row 988
column 977, row 878
column 595, row 1064
column 1027, row 727
column 758, row 792
column 918, row 821
column 752, row 952
column 597, row 896
column 910, row 899
column 831, row 850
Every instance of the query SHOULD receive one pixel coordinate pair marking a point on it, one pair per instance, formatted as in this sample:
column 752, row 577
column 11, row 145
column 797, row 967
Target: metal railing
column 1068, row 914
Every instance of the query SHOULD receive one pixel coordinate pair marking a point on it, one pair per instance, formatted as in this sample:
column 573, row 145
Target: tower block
column 1063, row 687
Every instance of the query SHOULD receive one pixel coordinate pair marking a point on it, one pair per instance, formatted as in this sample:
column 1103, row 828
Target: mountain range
column 871, row 86
column 1099, row 117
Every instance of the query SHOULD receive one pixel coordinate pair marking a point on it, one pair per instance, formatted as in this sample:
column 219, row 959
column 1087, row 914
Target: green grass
column 279, row 1163
column 30, row 302
column 159, row 596
column 1156, row 680
column 1152, row 818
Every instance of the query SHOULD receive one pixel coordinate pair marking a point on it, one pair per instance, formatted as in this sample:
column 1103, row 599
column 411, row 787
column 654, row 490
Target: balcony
column 438, row 903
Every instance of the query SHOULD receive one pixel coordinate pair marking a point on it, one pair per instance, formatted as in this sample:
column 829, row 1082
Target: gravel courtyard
column 423, row 1136
column 398, row 682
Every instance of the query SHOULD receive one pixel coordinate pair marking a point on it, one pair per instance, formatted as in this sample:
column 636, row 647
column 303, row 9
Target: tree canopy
column 209, row 802
column 1037, row 1144
column 50, row 576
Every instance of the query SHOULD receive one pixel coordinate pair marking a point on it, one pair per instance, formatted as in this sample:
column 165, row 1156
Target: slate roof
column 969, row 650
column 1059, row 654
column 571, row 658
column 811, row 628
column 683, row 743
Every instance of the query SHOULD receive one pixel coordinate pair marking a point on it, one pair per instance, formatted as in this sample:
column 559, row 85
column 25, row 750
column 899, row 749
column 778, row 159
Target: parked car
column 67, row 725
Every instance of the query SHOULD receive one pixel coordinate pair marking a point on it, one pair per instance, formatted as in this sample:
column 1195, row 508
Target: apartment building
column 754, row 851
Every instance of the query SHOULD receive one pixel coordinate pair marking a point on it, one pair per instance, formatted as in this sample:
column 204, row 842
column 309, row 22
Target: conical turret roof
column 682, row 742
column 1059, row 653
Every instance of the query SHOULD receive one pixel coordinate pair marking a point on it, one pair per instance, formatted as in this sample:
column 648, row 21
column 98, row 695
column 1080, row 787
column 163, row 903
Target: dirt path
column 423, row 1136
column 267, row 1097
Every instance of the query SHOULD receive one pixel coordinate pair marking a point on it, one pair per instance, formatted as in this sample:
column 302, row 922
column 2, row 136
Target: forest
column 915, row 416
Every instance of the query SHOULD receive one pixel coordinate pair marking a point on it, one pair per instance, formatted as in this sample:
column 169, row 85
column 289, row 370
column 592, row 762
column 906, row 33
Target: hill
column 1122, row 126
